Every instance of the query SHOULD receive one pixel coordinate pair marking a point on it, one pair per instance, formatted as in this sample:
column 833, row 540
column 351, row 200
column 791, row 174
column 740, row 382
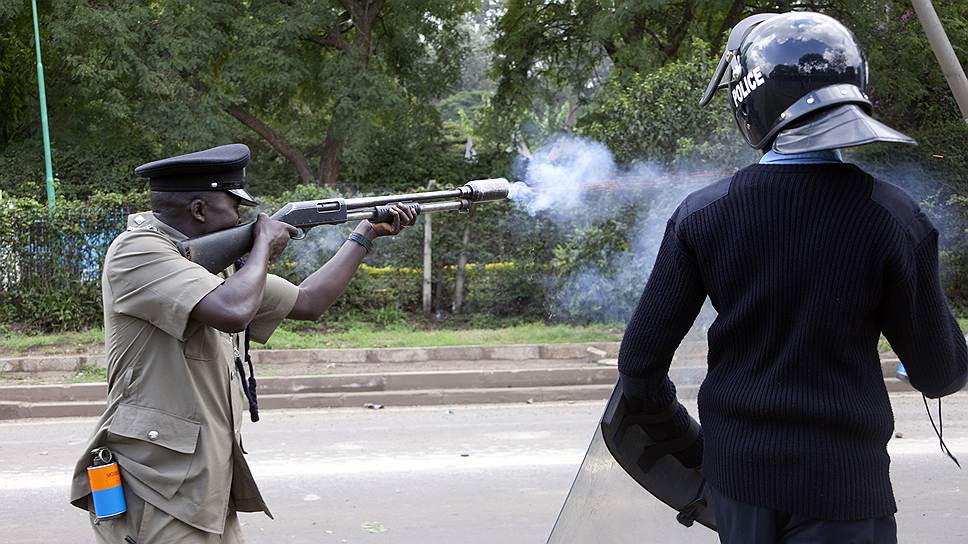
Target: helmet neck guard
column 847, row 125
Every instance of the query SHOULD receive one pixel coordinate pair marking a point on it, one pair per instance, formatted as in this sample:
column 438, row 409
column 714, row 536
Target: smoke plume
column 577, row 184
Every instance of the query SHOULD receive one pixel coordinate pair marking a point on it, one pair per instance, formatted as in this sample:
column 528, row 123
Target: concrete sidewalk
column 374, row 377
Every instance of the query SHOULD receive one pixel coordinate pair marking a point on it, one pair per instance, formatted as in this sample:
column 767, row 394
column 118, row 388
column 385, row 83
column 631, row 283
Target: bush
column 385, row 295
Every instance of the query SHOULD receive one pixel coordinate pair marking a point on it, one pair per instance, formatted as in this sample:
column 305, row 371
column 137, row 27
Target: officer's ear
column 197, row 209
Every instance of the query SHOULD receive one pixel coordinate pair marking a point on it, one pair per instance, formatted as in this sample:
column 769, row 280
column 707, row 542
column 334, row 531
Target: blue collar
column 810, row 157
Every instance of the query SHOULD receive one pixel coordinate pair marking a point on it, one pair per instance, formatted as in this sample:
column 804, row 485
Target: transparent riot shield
column 627, row 492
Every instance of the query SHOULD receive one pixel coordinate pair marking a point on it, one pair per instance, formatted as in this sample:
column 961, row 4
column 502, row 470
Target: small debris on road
column 373, row 527
column 899, row 434
column 373, row 406
column 311, row 497
column 595, row 352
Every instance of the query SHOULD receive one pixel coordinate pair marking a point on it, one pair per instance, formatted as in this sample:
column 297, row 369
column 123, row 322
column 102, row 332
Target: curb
column 402, row 389
column 518, row 352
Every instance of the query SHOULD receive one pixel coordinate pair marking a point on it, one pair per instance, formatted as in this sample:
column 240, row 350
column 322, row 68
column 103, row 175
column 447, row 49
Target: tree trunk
column 462, row 266
column 732, row 17
column 277, row 141
column 329, row 163
column 572, row 118
column 439, row 292
column 681, row 30
column 427, row 258
column 362, row 14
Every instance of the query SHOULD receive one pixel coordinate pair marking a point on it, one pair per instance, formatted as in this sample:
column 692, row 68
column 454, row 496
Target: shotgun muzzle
column 483, row 190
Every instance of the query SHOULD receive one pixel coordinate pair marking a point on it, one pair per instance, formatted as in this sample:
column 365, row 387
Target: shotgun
column 216, row 251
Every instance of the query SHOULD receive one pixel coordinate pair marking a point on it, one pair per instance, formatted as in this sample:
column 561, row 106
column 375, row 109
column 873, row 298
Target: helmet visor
column 736, row 37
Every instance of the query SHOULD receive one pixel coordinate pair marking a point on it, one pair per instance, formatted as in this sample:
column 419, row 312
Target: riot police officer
column 807, row 260
column 172, row 331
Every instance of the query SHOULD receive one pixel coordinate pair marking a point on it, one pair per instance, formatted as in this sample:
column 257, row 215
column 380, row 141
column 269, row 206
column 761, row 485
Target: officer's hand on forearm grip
column 403, row 216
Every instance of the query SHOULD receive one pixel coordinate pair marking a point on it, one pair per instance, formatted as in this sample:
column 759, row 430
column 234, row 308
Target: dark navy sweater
column 806, row 265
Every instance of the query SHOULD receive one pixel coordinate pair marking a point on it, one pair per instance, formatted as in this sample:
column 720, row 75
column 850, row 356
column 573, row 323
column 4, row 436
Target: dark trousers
column 741, row 523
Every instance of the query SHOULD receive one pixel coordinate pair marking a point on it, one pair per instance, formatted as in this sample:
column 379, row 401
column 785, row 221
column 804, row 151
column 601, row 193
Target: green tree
column 655, row 116
column 17, row 90
column 321, row 82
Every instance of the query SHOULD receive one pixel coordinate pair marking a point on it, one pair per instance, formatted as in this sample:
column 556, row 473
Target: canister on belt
column 105, row 479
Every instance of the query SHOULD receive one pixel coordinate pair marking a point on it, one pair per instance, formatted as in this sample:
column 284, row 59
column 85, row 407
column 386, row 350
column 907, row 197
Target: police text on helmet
column 747, row 85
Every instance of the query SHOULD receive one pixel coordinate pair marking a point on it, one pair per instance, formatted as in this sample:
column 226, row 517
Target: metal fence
column 45, row 254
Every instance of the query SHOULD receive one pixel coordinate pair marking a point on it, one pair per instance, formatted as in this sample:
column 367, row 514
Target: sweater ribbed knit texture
column 806, row 265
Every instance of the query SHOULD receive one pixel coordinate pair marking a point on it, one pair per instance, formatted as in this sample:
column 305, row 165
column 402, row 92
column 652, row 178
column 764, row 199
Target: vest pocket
column 154, row 446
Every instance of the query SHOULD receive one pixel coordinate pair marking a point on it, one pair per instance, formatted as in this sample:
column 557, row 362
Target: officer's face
column 221, row 211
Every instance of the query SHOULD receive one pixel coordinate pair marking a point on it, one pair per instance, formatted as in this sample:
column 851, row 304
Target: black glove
column 663, row 425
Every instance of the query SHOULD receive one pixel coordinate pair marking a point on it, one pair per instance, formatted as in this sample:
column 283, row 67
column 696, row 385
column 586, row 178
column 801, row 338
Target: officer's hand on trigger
column 274, row 233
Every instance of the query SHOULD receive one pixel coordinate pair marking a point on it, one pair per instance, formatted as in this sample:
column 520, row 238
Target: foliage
column 380, row 100
column 312, row 83
column 16, row 90
column 655, row 116
column 547, row 53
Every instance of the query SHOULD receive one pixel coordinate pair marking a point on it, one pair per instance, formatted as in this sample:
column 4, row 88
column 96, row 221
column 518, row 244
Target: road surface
column 468, row 474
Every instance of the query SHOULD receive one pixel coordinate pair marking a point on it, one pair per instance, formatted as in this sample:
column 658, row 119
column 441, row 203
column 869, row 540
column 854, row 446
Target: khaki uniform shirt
column 174, row 397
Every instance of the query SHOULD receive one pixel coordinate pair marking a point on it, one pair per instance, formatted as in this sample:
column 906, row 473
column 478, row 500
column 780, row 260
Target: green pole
column 43, row 115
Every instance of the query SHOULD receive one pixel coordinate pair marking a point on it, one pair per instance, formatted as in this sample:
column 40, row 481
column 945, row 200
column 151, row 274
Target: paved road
column 468, row 474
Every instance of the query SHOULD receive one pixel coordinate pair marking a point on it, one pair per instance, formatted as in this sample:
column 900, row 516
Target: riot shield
column 629, row 489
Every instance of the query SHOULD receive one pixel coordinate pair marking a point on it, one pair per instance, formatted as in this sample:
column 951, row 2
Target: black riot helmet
column 798, row 81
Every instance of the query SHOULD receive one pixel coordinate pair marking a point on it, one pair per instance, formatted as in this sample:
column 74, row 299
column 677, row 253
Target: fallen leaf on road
column 373, row 527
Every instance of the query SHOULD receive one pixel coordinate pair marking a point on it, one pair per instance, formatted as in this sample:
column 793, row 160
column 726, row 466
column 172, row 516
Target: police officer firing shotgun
column 807, row 259
column 173, row 331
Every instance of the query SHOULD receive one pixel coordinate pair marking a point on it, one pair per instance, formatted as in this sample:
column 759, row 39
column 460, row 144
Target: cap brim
column 245, row 198
column 847, row 125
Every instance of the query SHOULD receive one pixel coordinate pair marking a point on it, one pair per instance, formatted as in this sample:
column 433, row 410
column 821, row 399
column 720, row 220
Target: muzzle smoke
column 577, row 184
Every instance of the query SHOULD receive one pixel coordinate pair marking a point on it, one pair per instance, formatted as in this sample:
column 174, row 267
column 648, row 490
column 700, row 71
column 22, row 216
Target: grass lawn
column 293, row 335
column 91, row 340
column 402, row 336
column 296, row 335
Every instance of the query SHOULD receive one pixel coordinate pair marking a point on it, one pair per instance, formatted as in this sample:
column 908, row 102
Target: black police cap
column 220, row 168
